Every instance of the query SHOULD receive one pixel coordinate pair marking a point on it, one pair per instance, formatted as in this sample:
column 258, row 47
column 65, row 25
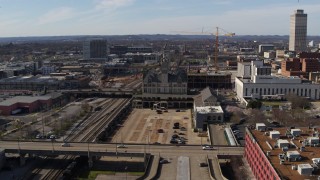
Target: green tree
column 254, row 104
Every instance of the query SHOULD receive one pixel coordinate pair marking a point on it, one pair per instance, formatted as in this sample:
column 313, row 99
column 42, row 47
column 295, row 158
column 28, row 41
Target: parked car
column 175, row 136
column 183, row 129
column 173, row 141
column 160, row 131
column 203, row 164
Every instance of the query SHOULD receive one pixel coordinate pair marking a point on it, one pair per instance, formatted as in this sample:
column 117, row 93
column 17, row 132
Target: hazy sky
column 113, row 17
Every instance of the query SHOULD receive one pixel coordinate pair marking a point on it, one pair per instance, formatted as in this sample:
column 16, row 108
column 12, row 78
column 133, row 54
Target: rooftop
column 285, row 169
column 28, row 99
column 210, row 109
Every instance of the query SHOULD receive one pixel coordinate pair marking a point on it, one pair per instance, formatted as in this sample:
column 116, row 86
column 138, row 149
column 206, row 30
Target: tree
column 298, row 102
column 254, row 104
column 257, row 116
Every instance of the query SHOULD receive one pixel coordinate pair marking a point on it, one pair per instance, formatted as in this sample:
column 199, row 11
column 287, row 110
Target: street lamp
column 52, row 145
column 19, row 145
column 149, row 139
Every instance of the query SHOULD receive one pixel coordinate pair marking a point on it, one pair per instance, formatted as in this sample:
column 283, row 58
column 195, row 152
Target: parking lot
column 149, row 126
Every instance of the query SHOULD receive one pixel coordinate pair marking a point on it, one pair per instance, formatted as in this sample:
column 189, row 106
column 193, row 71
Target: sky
column 120, row 17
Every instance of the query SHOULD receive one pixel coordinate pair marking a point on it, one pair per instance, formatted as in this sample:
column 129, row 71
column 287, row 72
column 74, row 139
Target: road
column 136, row 148
column 172, row 153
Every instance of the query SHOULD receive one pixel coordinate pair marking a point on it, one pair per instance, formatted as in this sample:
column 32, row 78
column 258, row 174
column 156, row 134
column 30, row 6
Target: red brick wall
column 259, row 164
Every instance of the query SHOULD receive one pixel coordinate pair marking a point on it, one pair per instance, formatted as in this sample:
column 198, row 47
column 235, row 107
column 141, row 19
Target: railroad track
column 102, row 122
column 91, row 127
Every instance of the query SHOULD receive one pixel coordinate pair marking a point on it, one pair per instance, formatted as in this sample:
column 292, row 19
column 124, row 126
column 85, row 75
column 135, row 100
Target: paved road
column 154, row 149
column 167, row 171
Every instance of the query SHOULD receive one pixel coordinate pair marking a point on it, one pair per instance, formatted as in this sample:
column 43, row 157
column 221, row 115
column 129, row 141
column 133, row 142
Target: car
column 203, row 164
column 183, row 129
column 173, row 141
column 156, row 143
column 163, row 161
column 160, row 131
column 175, row 127
column 65, row 144
column 242, row 120
column 175, row 136
column 208, row 148
column 39, row 136
column 121, row 146
column 240, row 137
column 181, row 133
column 234, row 127
column 53, row 136
column 176, row 124
column 178, row 110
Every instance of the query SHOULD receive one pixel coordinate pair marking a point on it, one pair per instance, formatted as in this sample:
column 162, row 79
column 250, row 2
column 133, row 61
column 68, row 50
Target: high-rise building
column 95, row 49
column 298, row 31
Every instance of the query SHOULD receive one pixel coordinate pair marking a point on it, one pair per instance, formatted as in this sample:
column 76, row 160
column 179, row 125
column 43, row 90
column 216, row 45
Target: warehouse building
column 29, row 104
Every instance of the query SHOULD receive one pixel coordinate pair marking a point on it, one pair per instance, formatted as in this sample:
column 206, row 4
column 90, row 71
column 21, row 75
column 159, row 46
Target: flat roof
column 286, row 168
column 209, row 109
column 28, row 99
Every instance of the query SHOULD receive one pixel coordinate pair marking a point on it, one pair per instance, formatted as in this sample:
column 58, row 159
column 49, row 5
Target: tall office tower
column 95, row 49
column 298, row 31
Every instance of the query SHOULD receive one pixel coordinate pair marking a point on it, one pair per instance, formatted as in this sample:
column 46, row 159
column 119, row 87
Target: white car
column 121, row 146
column 208, row 148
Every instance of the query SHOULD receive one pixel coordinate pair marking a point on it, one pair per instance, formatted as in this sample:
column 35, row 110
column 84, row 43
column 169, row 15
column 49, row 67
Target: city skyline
column 120, row 17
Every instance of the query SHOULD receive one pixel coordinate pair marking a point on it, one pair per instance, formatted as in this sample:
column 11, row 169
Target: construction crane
column 217, row 45
column 217, row 33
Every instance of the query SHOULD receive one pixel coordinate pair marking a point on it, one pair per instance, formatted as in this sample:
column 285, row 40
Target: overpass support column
column 90, row 162
column 22, row 159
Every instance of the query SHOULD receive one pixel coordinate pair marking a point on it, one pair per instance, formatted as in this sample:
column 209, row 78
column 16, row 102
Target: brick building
column 29, row 104
column 277, row 155
column 299, row 66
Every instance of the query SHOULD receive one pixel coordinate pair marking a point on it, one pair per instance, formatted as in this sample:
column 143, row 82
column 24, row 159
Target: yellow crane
column 217, row 46
column 217, row 33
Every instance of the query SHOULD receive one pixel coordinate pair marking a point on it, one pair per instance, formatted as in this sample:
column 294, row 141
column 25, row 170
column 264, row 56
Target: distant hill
column 153, row 37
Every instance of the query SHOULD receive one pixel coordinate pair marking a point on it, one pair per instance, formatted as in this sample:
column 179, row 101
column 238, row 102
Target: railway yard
column 126, row 126
column 113, row 121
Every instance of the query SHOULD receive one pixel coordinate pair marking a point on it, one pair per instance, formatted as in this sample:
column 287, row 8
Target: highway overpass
column 95, row 149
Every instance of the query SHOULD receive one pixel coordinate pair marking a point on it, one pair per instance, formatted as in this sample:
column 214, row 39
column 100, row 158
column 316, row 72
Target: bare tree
column 297, row 101
column 257, row 116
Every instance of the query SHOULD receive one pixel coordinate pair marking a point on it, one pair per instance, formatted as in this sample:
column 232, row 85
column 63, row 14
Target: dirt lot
column 143, row 124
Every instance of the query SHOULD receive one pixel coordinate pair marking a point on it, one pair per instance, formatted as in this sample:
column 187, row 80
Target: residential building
column 276, row 155
column 298, row 31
